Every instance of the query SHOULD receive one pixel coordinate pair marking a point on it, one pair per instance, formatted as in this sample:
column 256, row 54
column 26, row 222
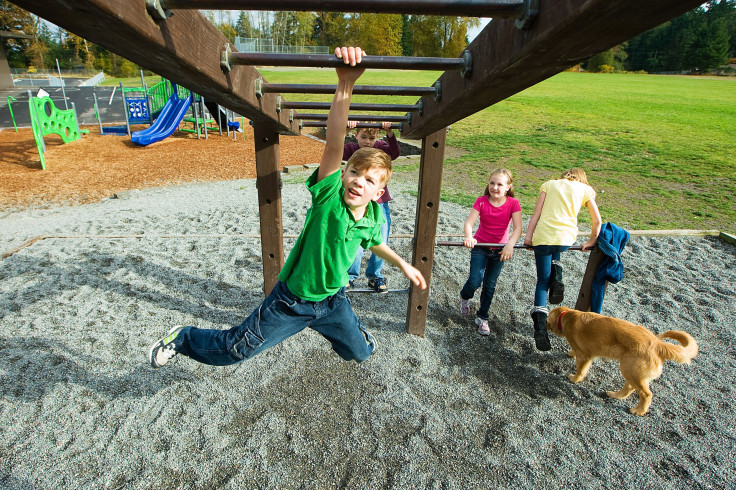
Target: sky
column 476, row 30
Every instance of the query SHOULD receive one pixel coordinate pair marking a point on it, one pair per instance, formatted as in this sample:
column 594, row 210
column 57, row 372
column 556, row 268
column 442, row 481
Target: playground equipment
column 140, row 105
column 199, row 120
column 10, row 108
column 47, row 119
column 528, row 41
column 167, row 122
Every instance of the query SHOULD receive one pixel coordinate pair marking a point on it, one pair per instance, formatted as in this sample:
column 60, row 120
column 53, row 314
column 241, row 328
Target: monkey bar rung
column 514, row 9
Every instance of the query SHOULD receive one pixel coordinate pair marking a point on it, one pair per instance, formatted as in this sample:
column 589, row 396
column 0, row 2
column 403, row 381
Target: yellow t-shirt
column 558, row 223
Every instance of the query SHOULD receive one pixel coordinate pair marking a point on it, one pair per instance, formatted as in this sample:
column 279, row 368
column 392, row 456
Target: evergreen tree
column 378, row 34
column 598, row 63
column 15, row 19
column 407, row 38
column 701, row 39
column 330, row 29
column 244, row 27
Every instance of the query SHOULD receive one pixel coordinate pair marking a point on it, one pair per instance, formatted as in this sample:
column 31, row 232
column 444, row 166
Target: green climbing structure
column 46, row 119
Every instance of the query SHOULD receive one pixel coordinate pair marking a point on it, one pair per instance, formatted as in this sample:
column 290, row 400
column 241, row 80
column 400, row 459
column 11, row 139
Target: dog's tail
column 682, row 354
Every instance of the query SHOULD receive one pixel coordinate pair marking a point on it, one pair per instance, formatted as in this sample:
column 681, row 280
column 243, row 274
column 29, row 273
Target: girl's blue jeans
column 485, row 267
column 280, row 316
column 375, row 263
column 543, row 256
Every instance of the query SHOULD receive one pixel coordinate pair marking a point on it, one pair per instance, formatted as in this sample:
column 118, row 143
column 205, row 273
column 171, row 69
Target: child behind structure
column 368, row 138
column 311, row 287
column 552, row 229
column 497, row 209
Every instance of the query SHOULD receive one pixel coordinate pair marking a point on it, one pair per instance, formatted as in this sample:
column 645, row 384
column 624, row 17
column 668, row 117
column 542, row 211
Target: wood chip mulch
column 96, row 167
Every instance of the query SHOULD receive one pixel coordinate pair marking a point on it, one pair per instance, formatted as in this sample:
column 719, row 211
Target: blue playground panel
column 137, row 110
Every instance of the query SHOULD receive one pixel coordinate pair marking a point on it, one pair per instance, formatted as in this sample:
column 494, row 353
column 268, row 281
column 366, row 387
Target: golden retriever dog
column 640, row 353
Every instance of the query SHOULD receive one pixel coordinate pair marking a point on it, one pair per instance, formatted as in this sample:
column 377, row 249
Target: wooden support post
column 586, row 287
column 425, row 226
column 268, row 182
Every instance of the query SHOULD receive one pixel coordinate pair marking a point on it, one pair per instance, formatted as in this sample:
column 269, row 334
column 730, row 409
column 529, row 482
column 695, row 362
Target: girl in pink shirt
column 497, row 209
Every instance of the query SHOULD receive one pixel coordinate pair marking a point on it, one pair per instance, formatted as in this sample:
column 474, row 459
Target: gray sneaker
column 163, row 350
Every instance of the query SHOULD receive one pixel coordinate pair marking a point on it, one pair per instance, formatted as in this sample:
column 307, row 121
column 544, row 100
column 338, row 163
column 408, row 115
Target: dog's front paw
column 638, row 411
column 571, row 353
column 575, row 378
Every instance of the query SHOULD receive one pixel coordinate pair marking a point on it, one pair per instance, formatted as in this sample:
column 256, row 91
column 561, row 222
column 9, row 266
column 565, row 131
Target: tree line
column 698, row 40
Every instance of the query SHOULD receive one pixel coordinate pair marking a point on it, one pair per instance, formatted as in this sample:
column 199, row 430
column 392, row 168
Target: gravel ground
column 81, row 408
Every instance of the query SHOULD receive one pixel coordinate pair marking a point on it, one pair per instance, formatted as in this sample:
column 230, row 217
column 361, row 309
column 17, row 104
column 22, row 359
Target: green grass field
column 659, row 150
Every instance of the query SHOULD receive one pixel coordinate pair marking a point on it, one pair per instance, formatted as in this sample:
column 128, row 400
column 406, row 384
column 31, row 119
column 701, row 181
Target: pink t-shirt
column 495, row 221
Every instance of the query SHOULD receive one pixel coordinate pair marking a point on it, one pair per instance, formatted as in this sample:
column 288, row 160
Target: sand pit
column 81, row 407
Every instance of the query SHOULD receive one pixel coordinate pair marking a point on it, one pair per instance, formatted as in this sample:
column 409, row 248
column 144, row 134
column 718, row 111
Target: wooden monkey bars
column 323, row 124
column 299, row 88
column 522, row 46
column 515, row 9
column 463, row 64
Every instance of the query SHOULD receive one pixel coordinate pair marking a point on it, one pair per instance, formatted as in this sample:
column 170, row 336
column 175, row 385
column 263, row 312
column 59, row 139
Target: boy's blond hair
column 367, row 158
column 368, row 131
column 575, row 174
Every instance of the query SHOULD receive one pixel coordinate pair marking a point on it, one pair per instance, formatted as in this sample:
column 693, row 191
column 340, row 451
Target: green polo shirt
column 317, row 266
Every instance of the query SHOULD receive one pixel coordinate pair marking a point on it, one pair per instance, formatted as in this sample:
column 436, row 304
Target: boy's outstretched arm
column 338, row 116
column 386, row 253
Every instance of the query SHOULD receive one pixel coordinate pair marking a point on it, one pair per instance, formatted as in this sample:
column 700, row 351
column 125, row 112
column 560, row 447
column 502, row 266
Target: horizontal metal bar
column 495, row 245
column 300, row 88
column 353, row 107
column 322, row 124
column 332, row 61
column 355, row 290
column 351, row 117
column 453, row 8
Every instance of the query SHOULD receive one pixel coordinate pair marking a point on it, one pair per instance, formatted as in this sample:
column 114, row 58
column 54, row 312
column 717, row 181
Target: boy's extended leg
column 336, row 321
column 280, row 316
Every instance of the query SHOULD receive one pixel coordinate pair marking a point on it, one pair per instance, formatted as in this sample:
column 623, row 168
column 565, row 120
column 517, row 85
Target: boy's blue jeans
column 375, row 263
column 485, row 267
column 543, row 256
column 280, row 316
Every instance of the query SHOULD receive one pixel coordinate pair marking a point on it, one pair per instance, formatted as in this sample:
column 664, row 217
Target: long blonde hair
column 575, row 174
column 509, row 180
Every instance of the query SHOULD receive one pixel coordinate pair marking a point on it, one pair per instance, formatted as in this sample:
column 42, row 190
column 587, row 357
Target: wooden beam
column 507, row 60
column 586, row 286
column 425, row 226
column 268, row 183
column 185, row 48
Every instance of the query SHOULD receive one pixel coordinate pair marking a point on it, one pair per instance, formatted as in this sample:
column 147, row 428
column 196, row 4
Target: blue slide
column 166, row 123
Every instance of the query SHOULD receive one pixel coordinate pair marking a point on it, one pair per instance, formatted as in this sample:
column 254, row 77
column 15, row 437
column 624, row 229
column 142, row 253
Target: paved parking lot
column 111, row 109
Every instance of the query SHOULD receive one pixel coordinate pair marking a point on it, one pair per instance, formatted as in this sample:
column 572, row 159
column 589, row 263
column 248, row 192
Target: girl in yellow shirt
column 552, row 229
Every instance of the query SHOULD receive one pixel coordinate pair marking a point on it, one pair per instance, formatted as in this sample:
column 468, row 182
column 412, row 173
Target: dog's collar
column 559, row 319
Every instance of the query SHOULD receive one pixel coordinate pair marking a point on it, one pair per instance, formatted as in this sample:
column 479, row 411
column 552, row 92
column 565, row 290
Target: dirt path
column 96, row 167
